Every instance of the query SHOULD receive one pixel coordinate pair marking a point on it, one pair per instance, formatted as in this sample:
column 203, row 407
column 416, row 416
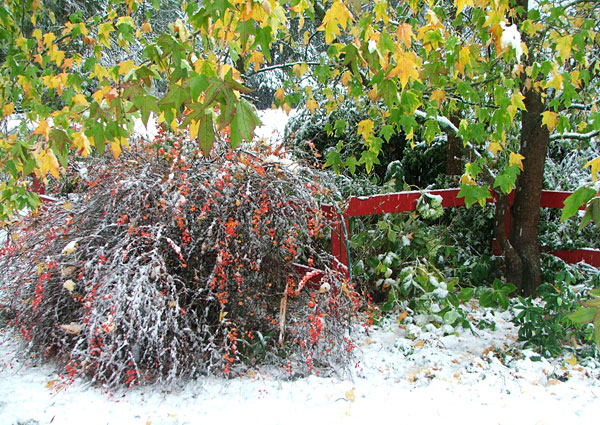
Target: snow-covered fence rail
column 407, row 201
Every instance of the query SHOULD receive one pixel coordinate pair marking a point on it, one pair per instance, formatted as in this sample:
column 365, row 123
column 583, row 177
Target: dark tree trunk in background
column 525, row 212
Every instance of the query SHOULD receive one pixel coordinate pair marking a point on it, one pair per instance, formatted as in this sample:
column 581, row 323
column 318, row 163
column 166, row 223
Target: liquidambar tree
column 515, row 76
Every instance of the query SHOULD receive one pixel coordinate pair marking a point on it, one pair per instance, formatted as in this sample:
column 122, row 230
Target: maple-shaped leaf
column 549, row 119
column 338, row 14
column 577, row 199
column 516, row 159
column 405, row 34
column 494, row 148
column 595, row 164
column 517, row 101
column 365, row 128
column 460, row 5
column 563, row 46
column 474, row 194
column 405, row 69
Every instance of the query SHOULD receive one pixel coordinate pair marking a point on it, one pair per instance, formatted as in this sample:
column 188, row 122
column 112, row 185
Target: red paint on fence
column 407, row 201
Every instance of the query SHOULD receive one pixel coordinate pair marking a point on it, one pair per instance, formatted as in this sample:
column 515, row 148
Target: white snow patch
column 400, row 371
column 511, row 37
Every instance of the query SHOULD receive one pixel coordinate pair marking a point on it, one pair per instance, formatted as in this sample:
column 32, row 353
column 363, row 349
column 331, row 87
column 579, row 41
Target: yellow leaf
column 42, row 129
column 279, row 94
column 572, row 360
column 365, row 128
column 419, row 344
column 556, row 82
column 8, row 109
column 595, row 164
column 67, row 206
column 494, row 148
column 405, row 34
column 460, row 5
column 337, row 16
column 312, row 105
column 49, row 39
column 350, row 395
column 125, row 67
column 405, row 69
column 146, row 27
column 549, row 119
column 194, row 127
column 115, row 147
column 82, row 144
column 69, row 285
column 346, row 78
column 516, row 158
column 563, row 46
column 402, row 316
column 37, row 34
column 464, row 59
column 438, row 95
column 257, row 58
column 517, row 101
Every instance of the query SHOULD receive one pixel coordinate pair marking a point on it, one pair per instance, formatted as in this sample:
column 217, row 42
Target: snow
column 457, row 378
column 511, row 37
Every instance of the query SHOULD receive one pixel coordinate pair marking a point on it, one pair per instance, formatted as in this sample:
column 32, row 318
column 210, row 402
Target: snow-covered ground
column 456, row 379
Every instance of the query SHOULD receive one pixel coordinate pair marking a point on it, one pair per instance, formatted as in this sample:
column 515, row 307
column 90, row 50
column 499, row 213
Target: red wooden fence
column 407, row 201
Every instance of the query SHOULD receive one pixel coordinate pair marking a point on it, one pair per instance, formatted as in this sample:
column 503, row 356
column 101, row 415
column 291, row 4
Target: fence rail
column 407, row 201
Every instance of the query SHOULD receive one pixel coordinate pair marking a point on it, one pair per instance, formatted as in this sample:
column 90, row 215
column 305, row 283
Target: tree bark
column 525, row 212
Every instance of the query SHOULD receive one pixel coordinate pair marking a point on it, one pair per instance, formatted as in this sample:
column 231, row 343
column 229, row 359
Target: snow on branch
column 575, row 136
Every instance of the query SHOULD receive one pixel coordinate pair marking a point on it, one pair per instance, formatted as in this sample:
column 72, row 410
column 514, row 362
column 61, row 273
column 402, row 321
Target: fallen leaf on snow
column 420, row 343
column 350, row 395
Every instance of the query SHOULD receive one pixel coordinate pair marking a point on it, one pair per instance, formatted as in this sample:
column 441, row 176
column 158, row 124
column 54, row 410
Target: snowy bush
column 170, row 265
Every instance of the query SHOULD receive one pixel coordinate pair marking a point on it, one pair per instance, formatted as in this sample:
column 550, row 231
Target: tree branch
column 575, row 136
column 449, row 128
column 283, row 65
column 576, row 2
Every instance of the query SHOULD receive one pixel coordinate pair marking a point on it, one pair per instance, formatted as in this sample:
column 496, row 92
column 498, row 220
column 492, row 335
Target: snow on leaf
column 71, row 328
column 70, row 248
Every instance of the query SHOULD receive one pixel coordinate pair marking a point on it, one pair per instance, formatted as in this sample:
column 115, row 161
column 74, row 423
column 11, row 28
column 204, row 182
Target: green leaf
column 474, row 194
column 11, row 167
column 243, row 124
column 506, row 180
column 466, row 294
column 146, row 104
column 578, row 198
column 583, row 315
column 206, row 134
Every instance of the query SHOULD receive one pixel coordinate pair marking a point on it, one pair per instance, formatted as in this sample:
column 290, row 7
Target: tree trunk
column 525, row 212
column 454, row 165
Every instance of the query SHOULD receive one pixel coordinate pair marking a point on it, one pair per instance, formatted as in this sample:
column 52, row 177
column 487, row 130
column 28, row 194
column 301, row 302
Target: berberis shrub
column 170, row 264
